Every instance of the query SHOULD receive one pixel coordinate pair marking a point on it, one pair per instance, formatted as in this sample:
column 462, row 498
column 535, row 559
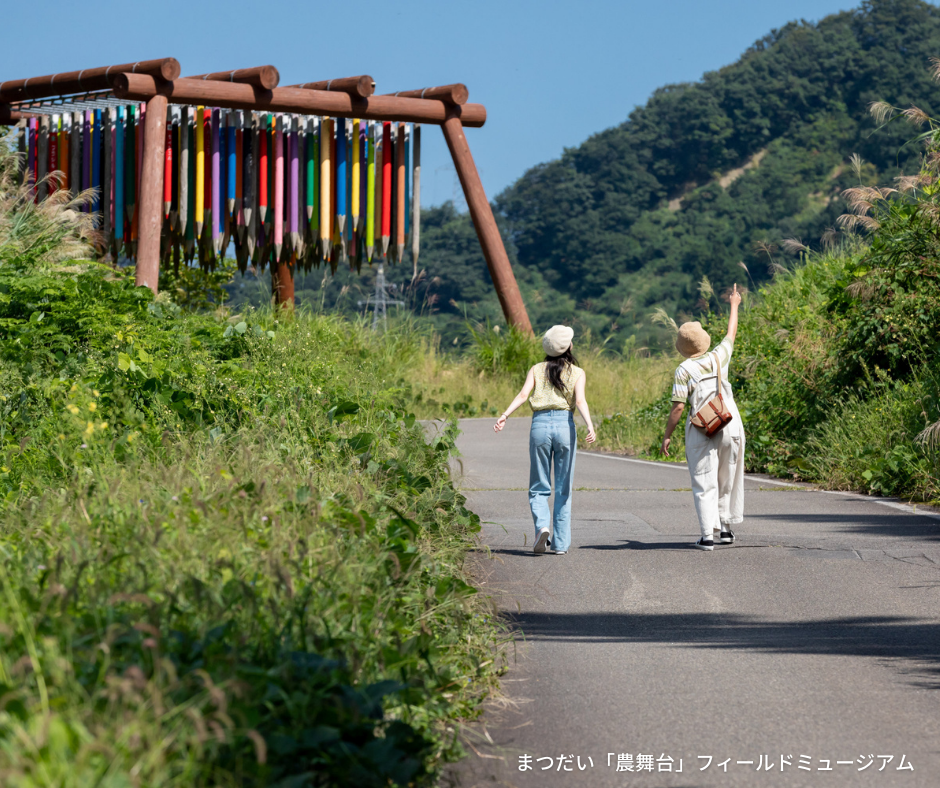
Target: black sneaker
column 705, row 544
column 727, row 537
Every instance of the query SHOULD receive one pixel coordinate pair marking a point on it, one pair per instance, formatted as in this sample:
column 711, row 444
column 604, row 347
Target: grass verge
column 228, row 556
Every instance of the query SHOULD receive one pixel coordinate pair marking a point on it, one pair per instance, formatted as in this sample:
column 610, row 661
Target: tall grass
column 484, row 381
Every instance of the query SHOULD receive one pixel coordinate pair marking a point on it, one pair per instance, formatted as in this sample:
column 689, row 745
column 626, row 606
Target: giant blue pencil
column 230, row 151
column 341, row 176
column 119, row 179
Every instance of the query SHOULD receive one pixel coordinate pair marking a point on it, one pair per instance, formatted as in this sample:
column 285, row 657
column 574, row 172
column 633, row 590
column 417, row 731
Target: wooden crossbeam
column 456, row 94
column 232, row 95
column 265, row 77
column 167, row 68
column 361, row 87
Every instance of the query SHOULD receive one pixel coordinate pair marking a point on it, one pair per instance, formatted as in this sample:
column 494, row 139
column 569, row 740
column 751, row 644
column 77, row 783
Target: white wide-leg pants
column 716, row 465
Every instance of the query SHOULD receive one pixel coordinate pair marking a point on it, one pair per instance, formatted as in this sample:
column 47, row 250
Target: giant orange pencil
column 200, row 171
column 386, row 186
column 400, row 203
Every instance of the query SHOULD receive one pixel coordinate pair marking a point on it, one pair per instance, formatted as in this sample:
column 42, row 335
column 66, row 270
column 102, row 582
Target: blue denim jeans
column 553, row 441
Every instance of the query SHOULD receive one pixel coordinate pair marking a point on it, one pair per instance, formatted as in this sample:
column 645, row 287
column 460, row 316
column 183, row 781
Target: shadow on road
column 632, row 544
column 527, row 553
column 881, row 637
column 890, row 524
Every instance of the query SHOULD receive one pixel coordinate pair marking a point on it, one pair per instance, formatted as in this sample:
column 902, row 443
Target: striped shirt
column 702, row 367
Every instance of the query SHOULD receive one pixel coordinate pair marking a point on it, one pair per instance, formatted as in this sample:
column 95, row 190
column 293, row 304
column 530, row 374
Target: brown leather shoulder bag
column 713, row 418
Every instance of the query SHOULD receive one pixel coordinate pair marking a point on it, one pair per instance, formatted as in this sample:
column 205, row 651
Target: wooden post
column 487, row 231
column 150, row 220
column 282, row 285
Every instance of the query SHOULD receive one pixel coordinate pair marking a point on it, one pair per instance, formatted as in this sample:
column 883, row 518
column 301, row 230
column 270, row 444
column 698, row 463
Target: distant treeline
column 638, row 214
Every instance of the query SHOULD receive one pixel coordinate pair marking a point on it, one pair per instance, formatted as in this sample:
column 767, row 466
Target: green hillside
column 697, row 178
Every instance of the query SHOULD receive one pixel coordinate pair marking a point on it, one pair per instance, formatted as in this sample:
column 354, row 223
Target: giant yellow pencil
column 326, row 133
column 354, row 195
column 200, row 173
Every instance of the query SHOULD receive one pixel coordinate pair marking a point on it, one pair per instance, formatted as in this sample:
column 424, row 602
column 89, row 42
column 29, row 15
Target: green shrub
column 503, row 351
column 228, row 554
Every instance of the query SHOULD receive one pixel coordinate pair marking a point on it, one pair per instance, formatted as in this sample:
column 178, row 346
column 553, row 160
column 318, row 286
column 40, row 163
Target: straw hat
column 557, row 340
column 693, row 340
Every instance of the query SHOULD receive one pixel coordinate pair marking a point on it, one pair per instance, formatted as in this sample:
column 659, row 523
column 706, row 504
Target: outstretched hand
column 735, row 298
column 500, row 423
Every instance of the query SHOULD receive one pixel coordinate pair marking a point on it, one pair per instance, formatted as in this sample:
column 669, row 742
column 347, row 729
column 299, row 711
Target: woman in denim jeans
column 554, row 388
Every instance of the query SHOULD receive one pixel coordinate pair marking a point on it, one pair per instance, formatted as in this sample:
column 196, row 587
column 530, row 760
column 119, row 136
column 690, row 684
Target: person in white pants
column 716, row 464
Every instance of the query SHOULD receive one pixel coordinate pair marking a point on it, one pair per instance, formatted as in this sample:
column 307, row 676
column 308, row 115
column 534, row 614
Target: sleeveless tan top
column 545, row 396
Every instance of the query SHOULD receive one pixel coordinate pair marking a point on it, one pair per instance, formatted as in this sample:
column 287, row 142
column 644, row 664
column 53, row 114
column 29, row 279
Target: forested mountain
column 694, row 180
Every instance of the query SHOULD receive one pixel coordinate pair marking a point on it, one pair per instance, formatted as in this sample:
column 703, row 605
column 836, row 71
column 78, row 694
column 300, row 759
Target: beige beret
column 557, row 340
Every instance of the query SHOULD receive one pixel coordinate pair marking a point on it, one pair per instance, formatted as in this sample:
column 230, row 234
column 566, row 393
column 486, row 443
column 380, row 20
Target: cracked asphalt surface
column 815, row 638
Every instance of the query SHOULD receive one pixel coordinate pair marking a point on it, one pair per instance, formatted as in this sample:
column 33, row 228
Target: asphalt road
column 815, row 638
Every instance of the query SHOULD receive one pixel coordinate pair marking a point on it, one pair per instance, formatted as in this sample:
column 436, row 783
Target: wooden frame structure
column 158, row 83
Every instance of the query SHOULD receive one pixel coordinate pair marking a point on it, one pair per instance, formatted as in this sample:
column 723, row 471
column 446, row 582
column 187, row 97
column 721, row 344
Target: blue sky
column 550, row 73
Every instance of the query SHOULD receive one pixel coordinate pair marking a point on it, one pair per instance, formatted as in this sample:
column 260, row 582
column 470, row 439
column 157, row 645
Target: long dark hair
column 557, row 366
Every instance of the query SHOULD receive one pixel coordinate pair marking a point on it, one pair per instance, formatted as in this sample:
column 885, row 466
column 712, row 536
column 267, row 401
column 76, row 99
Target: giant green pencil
column 370, row 196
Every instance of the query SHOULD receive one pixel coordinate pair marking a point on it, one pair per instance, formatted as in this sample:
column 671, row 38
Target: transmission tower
column 380, row 301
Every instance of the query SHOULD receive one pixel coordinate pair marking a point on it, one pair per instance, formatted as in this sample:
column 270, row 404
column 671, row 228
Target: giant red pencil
column 263, row 146
column 168, row 165
column 386, row 186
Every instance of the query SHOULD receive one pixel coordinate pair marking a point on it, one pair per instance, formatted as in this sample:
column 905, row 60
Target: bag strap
column 718, row 385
